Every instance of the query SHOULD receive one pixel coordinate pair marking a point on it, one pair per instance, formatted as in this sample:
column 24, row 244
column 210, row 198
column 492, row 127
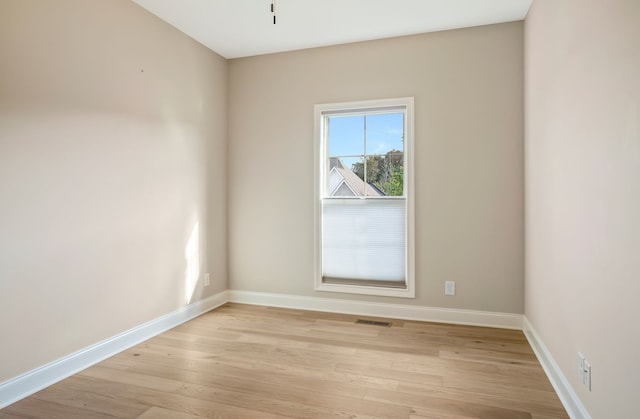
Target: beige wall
column 468, row 89
column 583, row 193
column 112, row 148
column 113, row 139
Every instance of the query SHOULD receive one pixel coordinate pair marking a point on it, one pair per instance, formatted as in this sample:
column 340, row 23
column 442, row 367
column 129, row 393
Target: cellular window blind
column 364, row 239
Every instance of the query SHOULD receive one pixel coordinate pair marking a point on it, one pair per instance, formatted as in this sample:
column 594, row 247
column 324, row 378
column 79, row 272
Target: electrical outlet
column 584, row 371
column 587, row 375
column 207, row 280
column 449, row 287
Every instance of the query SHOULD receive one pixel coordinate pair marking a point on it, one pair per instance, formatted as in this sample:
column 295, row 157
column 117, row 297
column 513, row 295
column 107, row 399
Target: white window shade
column 364, row 239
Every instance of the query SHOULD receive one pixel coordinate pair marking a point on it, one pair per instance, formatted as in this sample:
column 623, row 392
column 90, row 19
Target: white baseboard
column 26, row 384
column 568, row 397
column 394, row 311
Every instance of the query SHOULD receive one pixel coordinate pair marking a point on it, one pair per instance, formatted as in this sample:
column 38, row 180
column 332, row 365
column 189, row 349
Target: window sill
column 367, row 290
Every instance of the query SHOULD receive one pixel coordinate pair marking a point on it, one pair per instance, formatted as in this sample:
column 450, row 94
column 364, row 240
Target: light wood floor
column 244, row 361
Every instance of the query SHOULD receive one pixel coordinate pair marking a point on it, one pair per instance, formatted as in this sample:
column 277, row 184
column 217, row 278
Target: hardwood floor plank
column 91, row 401
column 297, row 403
column 437, row 405
column 160, row 413
column 429, row 415
column 34, row 408
column 175, row 401
column 9, row 415
column 132, row 378
column 390, row 374
column 427, row 365
column 549, row 406
column 479, row 381
column 242, row 361
column 487, row 356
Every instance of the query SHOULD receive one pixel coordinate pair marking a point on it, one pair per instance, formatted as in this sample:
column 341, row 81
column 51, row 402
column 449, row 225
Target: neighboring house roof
column 350, row 180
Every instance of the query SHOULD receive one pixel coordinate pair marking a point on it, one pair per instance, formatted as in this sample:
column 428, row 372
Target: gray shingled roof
column 357, row 185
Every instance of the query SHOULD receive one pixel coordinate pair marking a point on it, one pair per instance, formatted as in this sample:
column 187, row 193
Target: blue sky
column 384, row 133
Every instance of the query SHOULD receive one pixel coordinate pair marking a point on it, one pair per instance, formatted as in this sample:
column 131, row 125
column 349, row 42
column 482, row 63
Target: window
column 364, row 194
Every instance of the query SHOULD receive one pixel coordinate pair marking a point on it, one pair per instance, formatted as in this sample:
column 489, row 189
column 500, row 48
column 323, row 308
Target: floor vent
column 373, row 323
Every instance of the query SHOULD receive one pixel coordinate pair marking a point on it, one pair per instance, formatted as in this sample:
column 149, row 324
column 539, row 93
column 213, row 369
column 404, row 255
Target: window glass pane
column 346, row 135
column 385, row 133
column 386, row 173
column 346, row 178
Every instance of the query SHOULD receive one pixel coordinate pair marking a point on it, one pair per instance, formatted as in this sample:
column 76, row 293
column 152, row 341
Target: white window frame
column 319, row 167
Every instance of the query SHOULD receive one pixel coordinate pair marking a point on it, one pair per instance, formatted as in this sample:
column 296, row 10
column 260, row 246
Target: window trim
column 366, row 106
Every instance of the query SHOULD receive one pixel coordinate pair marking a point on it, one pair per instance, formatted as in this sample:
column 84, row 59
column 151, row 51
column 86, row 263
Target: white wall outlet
column 584, row 371
column 587, row 375
column 449, row 287
column 207, row 280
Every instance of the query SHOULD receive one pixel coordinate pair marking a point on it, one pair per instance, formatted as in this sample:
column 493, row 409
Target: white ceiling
column 240, row 28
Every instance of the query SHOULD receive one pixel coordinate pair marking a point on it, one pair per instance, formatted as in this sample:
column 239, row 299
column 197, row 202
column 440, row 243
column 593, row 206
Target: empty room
column 319, row 209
